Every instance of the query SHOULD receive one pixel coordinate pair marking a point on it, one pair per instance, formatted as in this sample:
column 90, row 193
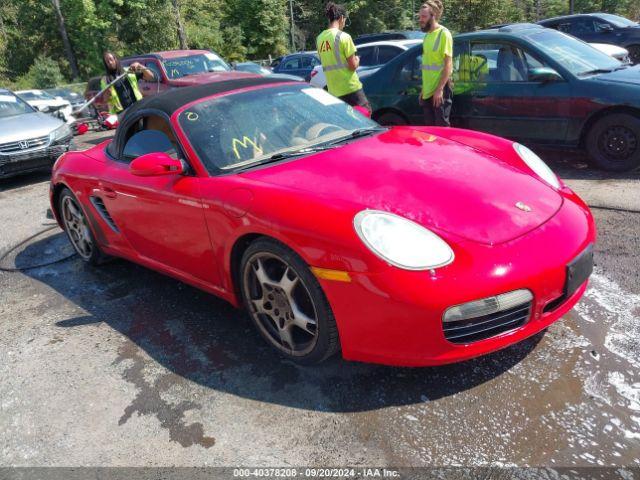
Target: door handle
column 109, row 192
column 146, row 88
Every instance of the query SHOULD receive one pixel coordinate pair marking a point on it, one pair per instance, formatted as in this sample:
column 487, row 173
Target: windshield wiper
column 361, row 132
column 596, row 71
column 297, row 153
column 288, row 154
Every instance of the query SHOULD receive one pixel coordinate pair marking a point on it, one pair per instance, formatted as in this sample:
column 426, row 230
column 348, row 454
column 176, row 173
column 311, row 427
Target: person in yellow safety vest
column 339, row 60
column 124, row 92
column 436, row 97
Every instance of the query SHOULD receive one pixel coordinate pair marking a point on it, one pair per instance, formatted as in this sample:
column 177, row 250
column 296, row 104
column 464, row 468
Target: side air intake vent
column 104, row 213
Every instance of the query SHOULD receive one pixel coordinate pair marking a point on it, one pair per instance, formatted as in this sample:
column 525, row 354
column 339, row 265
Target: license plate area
column 578, row 271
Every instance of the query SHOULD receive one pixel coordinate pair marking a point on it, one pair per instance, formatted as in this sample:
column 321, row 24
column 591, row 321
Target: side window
column 148, row 135
column 582, row 26
column 386, row 53
column 602, row 26
column 497, row 62
column 315, row 62
column 563, row 27
column 412, row 69
column 291, row 64
column 153, row 66
column 367, row 56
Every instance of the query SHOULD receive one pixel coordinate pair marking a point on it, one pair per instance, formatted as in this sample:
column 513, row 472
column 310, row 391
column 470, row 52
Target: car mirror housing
column 544, row 75
column 156, row 164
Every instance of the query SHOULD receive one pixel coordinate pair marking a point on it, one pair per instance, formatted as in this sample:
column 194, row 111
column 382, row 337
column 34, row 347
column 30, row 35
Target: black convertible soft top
column 171, row 100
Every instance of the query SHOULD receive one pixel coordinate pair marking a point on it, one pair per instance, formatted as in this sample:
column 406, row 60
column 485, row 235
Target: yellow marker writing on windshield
column 246, row 142
column 192, row 116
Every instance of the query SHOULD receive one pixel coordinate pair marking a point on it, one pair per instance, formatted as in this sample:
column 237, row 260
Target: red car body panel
column 462, row 185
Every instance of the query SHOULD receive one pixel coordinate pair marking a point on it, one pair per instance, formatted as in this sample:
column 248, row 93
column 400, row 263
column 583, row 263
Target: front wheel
column 286, row 303
column 77, row 229
column 613, row 143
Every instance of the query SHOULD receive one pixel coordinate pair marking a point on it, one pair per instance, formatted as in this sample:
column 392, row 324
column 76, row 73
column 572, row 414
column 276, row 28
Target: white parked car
column 372, row 56
column 614, row 51
column 46, row 103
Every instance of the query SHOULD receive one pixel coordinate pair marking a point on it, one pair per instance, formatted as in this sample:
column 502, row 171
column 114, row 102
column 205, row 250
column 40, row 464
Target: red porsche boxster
column 403, row 246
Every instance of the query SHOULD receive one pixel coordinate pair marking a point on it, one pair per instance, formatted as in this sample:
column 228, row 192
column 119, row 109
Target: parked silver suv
column 29, row 140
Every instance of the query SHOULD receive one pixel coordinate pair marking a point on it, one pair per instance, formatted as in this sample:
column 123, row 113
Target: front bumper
column 395, row 317
column 17, row 163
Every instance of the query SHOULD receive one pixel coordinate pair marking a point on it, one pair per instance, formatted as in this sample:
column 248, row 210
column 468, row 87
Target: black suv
column 600, row 28
column 398, row 35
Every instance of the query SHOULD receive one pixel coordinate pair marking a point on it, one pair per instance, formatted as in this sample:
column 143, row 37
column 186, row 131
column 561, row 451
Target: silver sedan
column 29, row 140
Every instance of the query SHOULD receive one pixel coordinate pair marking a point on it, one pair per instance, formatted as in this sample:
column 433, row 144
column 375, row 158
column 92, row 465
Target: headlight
column 61, row 132
column 535, row 163
column 401, row 242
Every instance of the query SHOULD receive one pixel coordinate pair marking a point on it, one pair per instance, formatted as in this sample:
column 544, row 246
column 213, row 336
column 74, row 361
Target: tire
column 613, row 142
column 634, row 54
column 284, row 299
column 391, row 119
column 76, row 226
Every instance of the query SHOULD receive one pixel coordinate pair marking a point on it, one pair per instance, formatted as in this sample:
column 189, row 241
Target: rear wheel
column 390, row 119
column 286, row 303
column 634, row 53
column 77, row 229
column 613, row 143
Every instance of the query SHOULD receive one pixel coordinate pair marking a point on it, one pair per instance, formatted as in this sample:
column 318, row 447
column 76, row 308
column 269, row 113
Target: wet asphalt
column 122, row 366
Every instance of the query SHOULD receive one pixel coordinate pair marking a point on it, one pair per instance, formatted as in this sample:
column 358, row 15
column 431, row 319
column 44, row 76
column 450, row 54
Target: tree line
column 58, row 41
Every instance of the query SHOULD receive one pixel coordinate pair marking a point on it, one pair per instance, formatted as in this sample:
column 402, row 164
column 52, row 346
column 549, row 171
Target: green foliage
column 236, row 29
column 44, row 73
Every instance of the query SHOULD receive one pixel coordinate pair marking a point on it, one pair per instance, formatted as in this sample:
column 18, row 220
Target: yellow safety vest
column 114, row 101
column 432, row 63
column 334, row 47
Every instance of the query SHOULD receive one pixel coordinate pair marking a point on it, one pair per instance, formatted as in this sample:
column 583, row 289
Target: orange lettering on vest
column 325, row 47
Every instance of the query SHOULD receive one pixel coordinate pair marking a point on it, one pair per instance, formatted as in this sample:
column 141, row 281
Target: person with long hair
column 125, row 92
column 339, row 58
column 436, row 97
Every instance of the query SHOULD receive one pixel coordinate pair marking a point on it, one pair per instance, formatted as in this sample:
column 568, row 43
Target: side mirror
column 362, row 111
column 43, row 108
column 544, row 75
column 605, row 28
column 155, row 164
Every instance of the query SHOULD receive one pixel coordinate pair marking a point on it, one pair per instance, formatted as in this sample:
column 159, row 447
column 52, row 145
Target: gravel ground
column 121, row 366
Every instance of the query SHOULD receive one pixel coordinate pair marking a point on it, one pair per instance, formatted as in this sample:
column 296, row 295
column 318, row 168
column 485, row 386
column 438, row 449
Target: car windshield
column 245, row 129
column 618, row 21
column 576, row 56
column 194, row 64
column 10, row 105
column 35, row 95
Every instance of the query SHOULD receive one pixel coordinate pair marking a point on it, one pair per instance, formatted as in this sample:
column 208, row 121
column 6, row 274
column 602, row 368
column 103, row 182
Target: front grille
column 486, row 326
column 24, row 145
column 29, row 160
column 104, row 213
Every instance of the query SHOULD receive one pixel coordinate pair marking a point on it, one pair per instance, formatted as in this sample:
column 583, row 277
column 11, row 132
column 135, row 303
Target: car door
column 505, row 97
column 161, row 217
column 406, row 87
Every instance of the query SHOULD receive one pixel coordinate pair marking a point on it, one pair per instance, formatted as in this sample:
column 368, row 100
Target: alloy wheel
column 76, row 226
column 280, row 304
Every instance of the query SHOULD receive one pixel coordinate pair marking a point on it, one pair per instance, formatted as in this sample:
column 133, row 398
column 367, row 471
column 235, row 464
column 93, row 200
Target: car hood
column 436, row 182
column 26, row 126
column 210, row 77
column 629, row 75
